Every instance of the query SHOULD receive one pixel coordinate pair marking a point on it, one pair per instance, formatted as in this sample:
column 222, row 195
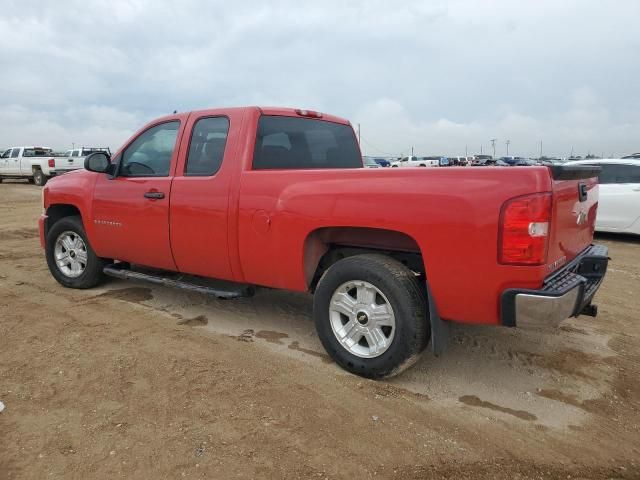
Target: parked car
column 482, row 160
column 619, row 206
column 278, row 198
column 382, row 162
column 369, row 163
column 37, row 164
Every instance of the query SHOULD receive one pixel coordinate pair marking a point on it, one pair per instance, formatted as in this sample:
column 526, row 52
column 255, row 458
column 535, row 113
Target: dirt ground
column 134, row 381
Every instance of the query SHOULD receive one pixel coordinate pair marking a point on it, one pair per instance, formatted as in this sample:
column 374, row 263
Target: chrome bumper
column 566, row 293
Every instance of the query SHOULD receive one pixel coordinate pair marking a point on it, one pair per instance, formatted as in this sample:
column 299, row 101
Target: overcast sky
column 438, row 76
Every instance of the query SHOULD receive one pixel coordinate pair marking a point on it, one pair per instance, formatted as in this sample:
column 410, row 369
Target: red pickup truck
column 278, row 198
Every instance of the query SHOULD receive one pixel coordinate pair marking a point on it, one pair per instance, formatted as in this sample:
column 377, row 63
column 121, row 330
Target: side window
column 613, row 173
column 76, row 153
column 6, row 154
column 149, row 155
column 628, row 174
column 302, row 143
column 206, row 149
column 68, row 153
column 15, row 153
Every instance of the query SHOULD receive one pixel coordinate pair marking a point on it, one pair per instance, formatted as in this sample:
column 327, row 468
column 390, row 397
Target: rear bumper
column 566, row 293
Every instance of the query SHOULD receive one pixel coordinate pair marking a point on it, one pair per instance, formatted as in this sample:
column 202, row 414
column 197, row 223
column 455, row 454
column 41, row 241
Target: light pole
column 507, row 143
column 493, row 145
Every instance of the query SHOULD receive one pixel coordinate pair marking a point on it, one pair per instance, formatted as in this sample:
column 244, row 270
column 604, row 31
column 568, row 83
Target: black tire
column 93, row 271
column 39, row 178
column 405, row 296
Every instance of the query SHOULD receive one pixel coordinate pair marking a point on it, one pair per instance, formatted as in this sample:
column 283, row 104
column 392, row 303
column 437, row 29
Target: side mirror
column 98, row 162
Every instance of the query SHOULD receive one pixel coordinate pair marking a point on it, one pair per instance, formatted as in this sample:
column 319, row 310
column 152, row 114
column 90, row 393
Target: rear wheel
column 39, row 178
column 70, row 258
column 370, row 313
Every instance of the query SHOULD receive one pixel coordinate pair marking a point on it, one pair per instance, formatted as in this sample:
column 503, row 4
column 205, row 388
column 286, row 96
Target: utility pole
column 493, row 145
column 412, row 151
column 540, row 149
column 466, row 151
column 480, row 149
column 73, row 146
column 507, row 143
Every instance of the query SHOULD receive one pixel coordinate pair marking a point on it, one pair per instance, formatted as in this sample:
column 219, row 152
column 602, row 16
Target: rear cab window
column 302, row 143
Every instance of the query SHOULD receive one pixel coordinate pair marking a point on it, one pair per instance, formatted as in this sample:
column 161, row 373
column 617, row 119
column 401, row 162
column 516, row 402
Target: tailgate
column 575, row 201
column 69, row 163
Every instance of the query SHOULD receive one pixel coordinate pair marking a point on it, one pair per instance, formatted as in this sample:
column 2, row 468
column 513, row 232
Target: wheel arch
column 60, row 210
column 326, row 245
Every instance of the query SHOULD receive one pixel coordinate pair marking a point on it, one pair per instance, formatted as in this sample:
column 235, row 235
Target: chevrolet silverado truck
column 36, row 164
column 223, row 201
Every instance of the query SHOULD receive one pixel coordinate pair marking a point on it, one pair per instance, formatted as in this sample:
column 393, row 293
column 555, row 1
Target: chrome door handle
column 154, row 195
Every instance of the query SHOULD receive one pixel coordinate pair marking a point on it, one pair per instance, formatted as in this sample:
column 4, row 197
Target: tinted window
column 150, row 154
column 36, row 152
column 612, row 173
column 6, row 154
column 15, row 153
column 206, row 149
column 299, row 143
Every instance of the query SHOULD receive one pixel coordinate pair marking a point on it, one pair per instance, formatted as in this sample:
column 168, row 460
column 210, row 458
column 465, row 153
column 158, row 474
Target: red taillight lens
column 524, row 230
column 52, row 163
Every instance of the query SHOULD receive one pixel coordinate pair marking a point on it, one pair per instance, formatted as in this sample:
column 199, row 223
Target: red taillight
column 524, row 230
column 309, row 113
column 52, row 163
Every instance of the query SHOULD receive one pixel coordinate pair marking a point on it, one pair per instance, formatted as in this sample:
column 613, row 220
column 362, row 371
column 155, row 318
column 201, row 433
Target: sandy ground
column 145, row 382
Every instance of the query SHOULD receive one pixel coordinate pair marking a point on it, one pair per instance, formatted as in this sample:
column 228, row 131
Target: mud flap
column 439, row 328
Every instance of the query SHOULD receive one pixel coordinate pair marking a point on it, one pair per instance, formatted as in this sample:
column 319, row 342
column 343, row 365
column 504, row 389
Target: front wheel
column 70, row 258
column 370, row 313
column 39, row 178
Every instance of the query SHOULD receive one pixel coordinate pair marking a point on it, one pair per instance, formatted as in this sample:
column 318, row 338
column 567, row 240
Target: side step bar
column 225, row 290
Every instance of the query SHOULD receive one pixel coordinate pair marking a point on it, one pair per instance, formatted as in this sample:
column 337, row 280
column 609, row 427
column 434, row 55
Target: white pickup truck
column 38, row 164
column 413, row 161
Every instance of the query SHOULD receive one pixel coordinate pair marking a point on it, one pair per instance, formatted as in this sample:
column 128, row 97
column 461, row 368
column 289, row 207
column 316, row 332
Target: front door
column 619, row 196
column 13, row 164
column 131, row 210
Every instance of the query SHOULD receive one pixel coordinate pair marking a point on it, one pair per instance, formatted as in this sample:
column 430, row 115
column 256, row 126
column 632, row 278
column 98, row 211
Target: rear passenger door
column 200, row 193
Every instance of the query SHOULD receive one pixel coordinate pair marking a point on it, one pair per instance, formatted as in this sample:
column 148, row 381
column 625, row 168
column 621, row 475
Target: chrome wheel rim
column 362, row 319
column 70, row 254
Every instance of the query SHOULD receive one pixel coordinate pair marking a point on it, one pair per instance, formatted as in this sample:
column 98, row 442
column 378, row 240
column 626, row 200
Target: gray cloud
column 437, row 76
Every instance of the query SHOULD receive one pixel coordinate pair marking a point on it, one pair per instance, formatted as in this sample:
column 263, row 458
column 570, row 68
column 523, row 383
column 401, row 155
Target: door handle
column 154, row 195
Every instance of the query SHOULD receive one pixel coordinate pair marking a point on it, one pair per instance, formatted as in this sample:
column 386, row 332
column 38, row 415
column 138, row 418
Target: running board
column 176, row 280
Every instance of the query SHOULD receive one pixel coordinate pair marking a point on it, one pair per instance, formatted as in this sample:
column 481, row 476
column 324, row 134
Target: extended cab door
column 131, row 210
column 200, row 195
